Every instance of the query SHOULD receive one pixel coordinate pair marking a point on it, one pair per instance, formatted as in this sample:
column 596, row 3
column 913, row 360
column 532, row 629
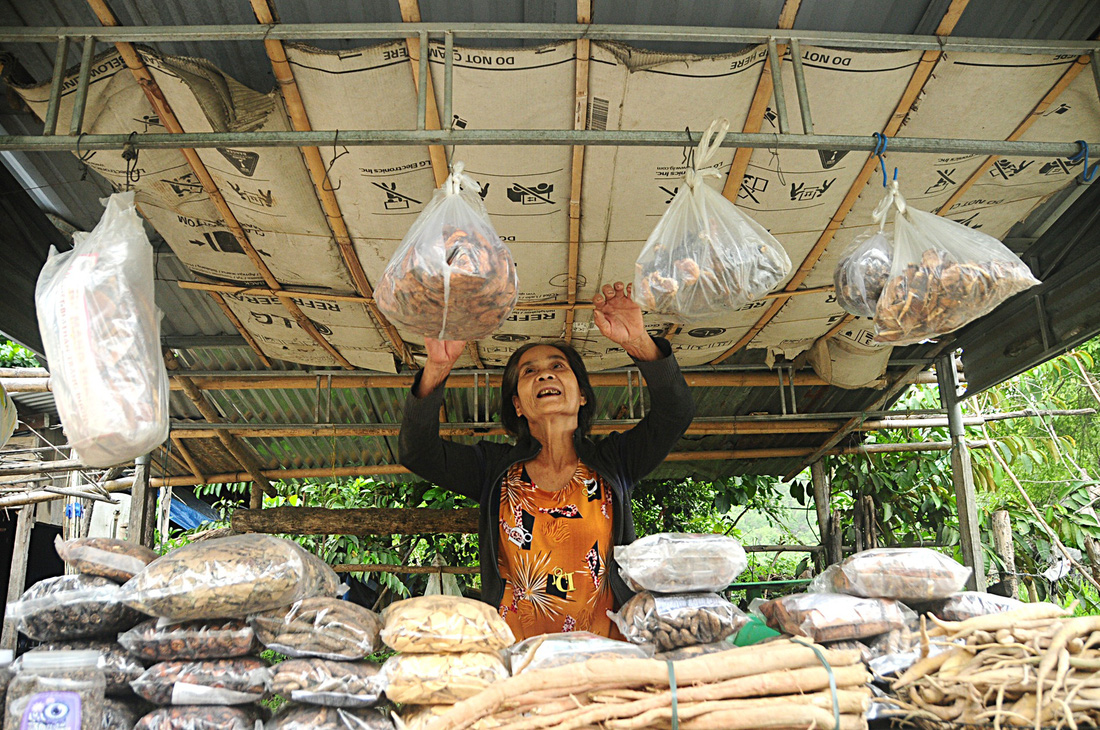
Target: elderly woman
column 554, row 503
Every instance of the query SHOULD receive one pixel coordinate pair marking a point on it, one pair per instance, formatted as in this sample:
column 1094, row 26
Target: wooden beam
column 759, row 105
column 33, row 496
column 920, row 76
column 186, row 454
column 580, row 121
column 410, row 13
column 318, row 173
column 407, row 569
column 17, row 578
column 239, row 451
column 322, row 521
column 143, row 504
column 172, row 124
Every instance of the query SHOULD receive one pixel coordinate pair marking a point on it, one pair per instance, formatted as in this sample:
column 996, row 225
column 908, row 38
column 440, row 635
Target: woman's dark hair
column 509, row 386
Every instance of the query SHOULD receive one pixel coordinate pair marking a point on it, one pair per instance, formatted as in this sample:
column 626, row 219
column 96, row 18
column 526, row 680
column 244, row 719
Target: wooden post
column 835, row 545
column 143, row 504
column 822, row 492
column 961, row 474
column 17, row 579
column 1092, row 547
column 1002, row 544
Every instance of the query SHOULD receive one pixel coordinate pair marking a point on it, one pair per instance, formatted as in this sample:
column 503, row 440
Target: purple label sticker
column 52, row 711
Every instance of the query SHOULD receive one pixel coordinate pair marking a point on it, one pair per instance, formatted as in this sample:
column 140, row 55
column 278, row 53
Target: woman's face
column 546, row 385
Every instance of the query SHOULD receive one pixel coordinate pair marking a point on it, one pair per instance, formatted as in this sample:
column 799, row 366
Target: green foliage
column 13, row 355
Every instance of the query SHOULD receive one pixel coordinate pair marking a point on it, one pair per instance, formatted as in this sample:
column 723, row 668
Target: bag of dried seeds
column 157, row 640
column 906, row 574
column 314, row 717
column 229, row 577
column 323, row 627
column 944, row 275
column 440, row 679
column 328, row 683
column 117, row 560
column 444, row 624
column 202, row 717
column 554, row 650
column 451, row 278
column 705, row 256
column 118, row 666
column 670, row 621
column 211, row 682
column 72, row 607
column 681, row 563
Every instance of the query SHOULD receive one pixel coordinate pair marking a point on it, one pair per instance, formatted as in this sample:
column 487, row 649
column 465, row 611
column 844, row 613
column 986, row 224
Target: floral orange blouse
column 553, row 555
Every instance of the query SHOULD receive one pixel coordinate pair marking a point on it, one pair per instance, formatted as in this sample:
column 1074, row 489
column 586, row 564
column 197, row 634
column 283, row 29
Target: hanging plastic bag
column 8, row 416
column 943, row 276
column 452, row 278
column 864, row 266
column 705, row 256
column 101, row 331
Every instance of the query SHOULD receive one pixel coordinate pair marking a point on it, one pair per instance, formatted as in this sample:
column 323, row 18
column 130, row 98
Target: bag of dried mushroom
column 229, row 577
column 670, row 621
column 322, row 626
column 440, row 679
column 444, row 624
column 905, row 574
column 117, row 560
column 451, row 278
column 705, row 256
column 943, row 275
column 157, row 641
column 72, row 607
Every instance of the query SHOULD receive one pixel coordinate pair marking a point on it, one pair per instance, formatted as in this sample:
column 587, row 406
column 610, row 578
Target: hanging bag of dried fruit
column 451, row 278
column 943, row 276
column 705, row 256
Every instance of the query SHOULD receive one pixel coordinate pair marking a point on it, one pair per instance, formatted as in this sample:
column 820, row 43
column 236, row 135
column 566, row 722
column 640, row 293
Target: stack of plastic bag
column 678, row 577
column 101, row 330
column 705, row 256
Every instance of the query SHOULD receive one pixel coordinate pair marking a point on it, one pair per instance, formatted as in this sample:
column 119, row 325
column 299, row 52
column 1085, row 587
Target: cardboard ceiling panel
column 526, row 189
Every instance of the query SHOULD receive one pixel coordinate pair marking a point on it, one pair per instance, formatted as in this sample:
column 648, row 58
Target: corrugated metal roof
column 194, row 313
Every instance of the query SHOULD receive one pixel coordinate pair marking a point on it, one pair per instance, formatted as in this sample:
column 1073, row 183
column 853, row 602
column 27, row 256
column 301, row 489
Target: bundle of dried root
column 778, row 685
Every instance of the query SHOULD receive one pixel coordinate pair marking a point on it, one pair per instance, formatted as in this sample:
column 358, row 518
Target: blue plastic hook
column 1087, row 173
column 881, row 142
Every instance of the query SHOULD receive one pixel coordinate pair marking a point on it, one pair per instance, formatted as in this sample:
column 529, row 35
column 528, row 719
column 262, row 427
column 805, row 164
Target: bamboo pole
column 909, row 97
column 583, row 47
column 24, row 373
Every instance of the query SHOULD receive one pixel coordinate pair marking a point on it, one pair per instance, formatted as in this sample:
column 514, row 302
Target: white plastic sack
column 101, row 331
column 943, row 276
column 8, row 416
column 451, row 278
column 705, row 256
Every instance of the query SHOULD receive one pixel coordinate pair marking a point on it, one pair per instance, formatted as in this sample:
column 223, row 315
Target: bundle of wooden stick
column 1030, row 667
column 777, row 685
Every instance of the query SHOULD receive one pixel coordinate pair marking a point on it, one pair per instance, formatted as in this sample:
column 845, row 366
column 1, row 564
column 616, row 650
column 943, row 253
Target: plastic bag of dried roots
column 944, row 275
column 237, row 681
column 323, row 627
column 328, row 683
column 679, row 563
column 905, row 574
column 451, row 278
column 833, row 616
column 670, row 621
column 705, row 256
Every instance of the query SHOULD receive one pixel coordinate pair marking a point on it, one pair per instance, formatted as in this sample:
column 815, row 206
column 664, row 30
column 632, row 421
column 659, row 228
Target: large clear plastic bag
column 328, row 683
column 101, row 330
column 202, row 717
column 905, row 574
column 971, row 604
column 321, row 626
column 156, row 640
column 833, row 616
column 440, row 679
column 239, row 681
column 119, row 667
column 864, row 266
column 117, row 560
column 72, row 607
column 429, row 624
column 554, row 650
column 293, row 716
column 451, row 278
column 671, row 621
column 229, row 577
column 944, row 275
column 705, row 256
column 8, row 416
column 681, row 563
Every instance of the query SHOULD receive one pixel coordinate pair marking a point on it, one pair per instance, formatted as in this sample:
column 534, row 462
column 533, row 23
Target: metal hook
column 1087, row 174
column 326, row 183
column 130, row 154
column 83, row 158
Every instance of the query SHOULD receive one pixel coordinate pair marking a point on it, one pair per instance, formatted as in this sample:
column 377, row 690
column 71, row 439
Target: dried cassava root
column 779, row 684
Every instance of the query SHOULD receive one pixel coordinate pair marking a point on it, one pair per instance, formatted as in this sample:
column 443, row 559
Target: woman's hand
column 442, row 355
column 620, row 320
